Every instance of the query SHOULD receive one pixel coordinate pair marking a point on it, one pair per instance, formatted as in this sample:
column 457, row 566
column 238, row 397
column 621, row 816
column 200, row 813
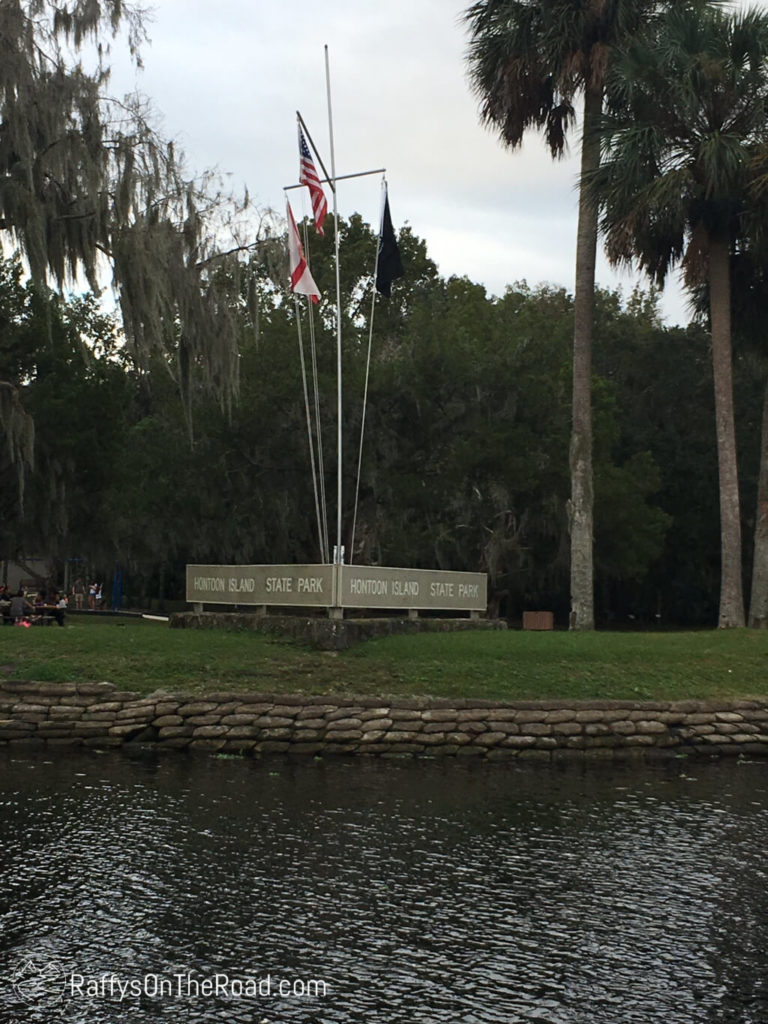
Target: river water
column 329, row 892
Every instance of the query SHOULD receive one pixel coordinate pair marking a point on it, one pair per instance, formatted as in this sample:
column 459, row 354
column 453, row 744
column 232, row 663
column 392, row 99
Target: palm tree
column 676, row 184
column 528, row 60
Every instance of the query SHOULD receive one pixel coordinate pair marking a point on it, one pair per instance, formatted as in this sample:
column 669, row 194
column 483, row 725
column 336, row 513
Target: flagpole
column 337, row 556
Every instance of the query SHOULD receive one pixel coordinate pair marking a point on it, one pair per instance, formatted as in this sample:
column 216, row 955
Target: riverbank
column 511, row 665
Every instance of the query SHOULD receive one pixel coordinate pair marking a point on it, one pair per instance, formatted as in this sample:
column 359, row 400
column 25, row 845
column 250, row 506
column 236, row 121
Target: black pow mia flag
column 389, row 265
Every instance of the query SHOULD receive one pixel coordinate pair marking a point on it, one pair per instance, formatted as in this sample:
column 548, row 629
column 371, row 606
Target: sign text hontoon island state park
column 337, row 586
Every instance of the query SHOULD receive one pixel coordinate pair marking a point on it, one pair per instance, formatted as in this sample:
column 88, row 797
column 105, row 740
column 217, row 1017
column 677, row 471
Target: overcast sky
column 228, row 77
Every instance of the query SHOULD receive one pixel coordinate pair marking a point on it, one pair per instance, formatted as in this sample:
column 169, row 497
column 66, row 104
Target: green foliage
column 88, row 188
column 688, row 111
column 465, row 456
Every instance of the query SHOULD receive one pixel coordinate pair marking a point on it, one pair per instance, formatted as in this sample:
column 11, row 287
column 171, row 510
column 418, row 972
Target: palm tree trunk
column 582, row 500
column 758, row 602
column 731, row 590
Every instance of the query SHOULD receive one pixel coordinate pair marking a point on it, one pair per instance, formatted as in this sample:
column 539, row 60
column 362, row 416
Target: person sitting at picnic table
column 19, row 607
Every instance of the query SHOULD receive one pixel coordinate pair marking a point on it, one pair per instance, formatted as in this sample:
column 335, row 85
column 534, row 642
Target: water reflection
column 417, row 892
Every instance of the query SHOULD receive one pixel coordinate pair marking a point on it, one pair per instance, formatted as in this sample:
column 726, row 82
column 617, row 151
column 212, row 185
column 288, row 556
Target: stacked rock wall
column 100, row 715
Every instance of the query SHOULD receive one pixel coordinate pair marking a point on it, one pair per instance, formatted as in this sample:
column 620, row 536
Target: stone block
column 285, row 710
column 125, row 729
column 214, row 718
column 557, row 717
column 310, row 723
column 301, row 735
column 527, row 717
column 518, row 742
column 373, row 735
column 376, row 724
column 538, row 729
column 459, row 738
column 472, row 715
column 591, row 716
column 624, row 728
column 343, row 724
column 490, row 739
column 164, row 720
column 174, row 731
column 200, row 707
column 436, row 715
column 242, row 732
column 344, row 712
column 650, row 727
column 373, row 713
column 402, row 735
column 432, row 739
column 316, row 710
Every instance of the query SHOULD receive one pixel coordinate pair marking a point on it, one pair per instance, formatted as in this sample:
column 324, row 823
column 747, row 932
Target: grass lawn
column 145, row 656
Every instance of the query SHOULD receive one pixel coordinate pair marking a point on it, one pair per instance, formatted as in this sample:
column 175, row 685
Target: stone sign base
column 323, row 633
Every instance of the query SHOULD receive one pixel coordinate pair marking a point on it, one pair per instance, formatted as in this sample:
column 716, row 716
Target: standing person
column 57, row 607
column 78, row 592
column 92, row 596
column 99, row 598
column 5, row 605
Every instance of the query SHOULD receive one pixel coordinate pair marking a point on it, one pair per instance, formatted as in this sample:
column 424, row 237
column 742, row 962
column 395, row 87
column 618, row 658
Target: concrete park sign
column 364, row 586
column 310, row 585
column 337, row 586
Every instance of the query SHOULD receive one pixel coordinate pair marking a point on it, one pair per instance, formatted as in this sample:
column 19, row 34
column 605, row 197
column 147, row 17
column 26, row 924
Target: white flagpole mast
column 337, row 556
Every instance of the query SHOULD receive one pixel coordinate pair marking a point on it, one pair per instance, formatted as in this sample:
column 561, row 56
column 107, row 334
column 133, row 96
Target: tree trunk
column 758, row 602
column 581, row 505
column 731, row 589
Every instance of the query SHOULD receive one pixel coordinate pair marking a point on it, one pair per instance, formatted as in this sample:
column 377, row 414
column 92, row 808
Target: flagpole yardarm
column 339, row 177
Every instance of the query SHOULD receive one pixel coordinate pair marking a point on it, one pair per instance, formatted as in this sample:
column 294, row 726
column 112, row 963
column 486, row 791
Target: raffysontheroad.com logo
column 39, row 981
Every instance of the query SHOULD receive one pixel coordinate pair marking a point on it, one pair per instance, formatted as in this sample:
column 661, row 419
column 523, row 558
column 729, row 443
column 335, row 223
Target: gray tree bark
column 731, row 586
column 581, row 509
column 758, row 601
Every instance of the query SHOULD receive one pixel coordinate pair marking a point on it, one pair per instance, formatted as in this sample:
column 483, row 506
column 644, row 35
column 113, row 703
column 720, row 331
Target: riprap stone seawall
column 100, row 715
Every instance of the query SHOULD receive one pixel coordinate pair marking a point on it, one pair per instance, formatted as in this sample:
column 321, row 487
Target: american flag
column 308, row 176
